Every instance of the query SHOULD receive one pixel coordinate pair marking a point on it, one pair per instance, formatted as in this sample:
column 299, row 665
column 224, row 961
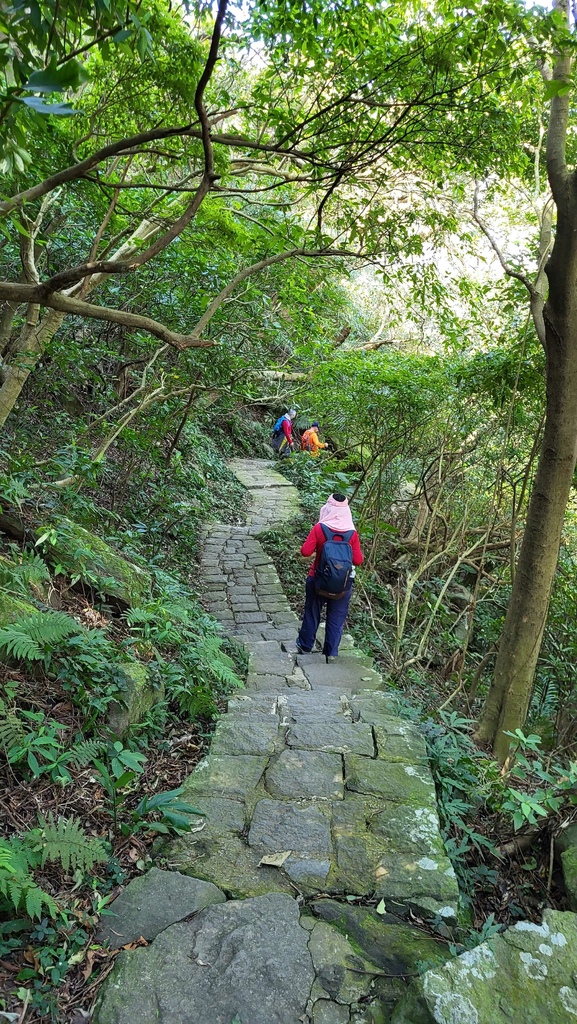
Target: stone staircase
column 317, row 799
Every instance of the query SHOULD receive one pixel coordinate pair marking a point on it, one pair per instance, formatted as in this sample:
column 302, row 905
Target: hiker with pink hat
column 335, row 544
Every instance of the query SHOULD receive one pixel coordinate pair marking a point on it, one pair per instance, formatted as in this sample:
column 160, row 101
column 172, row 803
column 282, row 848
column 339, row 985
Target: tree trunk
column 510, row 693
column 34, row 337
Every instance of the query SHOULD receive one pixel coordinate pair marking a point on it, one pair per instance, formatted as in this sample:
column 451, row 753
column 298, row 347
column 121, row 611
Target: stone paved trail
column 312, row 788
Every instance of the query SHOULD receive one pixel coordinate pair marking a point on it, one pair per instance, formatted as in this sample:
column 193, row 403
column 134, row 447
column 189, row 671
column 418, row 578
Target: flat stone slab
column 226, row 775
column 413, row 830
column 247, row 735
column 408, row 746
column 254, row 703
column 324, row 704
column 221, row 815
column 408, row 878
column 526, row 975
column 153, row 902
column 400, row 783
column 228, row 858
column 268, row 658
column 341, row 736
column 306, row 773
column 278, row 827
column 244, row 961
column 346, row 672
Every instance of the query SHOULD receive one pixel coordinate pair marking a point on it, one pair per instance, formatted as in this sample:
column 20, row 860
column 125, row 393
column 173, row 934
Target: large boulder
column 95, row 563
column 527, row 975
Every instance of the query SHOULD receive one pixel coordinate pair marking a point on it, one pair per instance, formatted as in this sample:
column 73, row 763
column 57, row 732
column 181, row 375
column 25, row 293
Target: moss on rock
column 139, row 694
column 12, row 609
column 524, row 976
column 569, row 865
column 93, row 561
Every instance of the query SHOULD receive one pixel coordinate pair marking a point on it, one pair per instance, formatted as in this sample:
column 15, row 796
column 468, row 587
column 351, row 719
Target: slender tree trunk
column 510, row 693
column 34, row 337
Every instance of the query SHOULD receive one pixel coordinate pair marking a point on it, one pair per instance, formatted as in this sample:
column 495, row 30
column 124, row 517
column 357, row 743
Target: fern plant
column 33, row 638
column 17, row 885
column 65, row 841
column 62, row 841
column 25, row 572
column 11, row 727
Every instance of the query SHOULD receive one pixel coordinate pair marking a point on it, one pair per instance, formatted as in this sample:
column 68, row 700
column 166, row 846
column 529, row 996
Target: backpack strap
column 346, row 535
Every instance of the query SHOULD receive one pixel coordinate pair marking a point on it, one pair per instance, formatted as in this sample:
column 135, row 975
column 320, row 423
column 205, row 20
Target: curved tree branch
column 495, row 245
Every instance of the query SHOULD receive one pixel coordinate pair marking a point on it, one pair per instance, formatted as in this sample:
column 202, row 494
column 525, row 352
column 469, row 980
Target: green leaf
column 40, row 107
column 557, row 87
column 58, row 79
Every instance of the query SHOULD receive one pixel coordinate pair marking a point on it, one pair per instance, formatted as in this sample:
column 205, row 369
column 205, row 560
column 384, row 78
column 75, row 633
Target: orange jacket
column 310, row 441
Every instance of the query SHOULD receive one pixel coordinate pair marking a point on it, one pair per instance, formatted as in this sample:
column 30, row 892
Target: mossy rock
column 13, row 609
column 95, row 563
column 392, row 946
column 524, row 976
column 139, row 694
column 569, row 866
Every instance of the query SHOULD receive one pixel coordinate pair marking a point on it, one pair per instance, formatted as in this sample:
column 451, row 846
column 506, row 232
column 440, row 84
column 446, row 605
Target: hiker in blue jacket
column 330, row 577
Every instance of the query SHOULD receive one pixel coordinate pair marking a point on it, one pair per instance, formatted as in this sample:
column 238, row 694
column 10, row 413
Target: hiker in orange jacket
column 310, row 441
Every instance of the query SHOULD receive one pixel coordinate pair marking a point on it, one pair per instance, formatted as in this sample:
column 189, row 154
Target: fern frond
column 14, row 891
column 85, row 752
column 35, row 898
column 11, row 728
column 17, row 883
column 27, row 571
column 139, row 616
column 28, row 639
column 66, row 841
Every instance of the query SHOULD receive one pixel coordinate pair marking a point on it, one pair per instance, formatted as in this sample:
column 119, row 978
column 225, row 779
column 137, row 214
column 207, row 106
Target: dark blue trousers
column 336, row 616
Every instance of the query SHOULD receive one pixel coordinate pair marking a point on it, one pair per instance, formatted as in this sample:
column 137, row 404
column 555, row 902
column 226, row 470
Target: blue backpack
column 335, row 564
column 278, row 425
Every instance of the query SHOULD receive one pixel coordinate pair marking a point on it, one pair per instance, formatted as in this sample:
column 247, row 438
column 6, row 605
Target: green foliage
column 63, row 841
column 11, row 727
column 35, row 742
column 194, row 667
column 33, row 638
column 547, row 787
column 26, row 572
column 175, row 813
column 17, row 886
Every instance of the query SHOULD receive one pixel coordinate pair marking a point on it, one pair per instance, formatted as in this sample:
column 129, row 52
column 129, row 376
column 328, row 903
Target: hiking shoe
column 302, row 650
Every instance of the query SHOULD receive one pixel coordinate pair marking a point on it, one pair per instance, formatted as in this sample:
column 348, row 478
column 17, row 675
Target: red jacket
column 287, row 429
column 315, row 541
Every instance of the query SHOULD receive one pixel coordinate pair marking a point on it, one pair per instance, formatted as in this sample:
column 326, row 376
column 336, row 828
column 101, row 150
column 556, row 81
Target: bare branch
column 495, row 245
